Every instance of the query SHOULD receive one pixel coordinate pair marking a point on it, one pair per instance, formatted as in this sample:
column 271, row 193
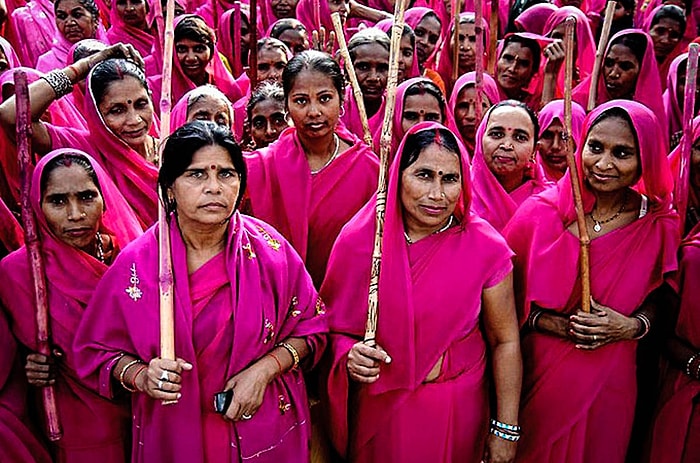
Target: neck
column 143, row 149
column 607, row 203
column 417, row 231
column 511, row 181
column 372, row 106
column 203, row 237
column 514, row 93
column 319, row 148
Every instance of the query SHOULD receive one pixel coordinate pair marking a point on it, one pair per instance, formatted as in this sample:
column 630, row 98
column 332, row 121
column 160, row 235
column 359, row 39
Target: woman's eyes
column 300, row 101
column 450, row 178
column 521, row 137
column 196, row 174
column 88, row 196
column 325, row 98
column 594, row 147
column 228, row 174
column 496, row 134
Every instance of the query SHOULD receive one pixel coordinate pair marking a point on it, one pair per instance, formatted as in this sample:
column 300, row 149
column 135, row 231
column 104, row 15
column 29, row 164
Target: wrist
column 270, row 368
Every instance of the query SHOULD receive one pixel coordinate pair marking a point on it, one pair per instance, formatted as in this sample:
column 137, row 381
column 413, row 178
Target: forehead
column 372, row 51
column 467, row 28
column 467, row 93
column 669, row 23
column 208, row 103
column 426, row 102
column 511, row 117
column 272, row 54
column 519, row 50
column 186, row 42
column 267, row 107
column 68, row 179
column 312, row 82
column 622, row 53
column 122, row 90
column 68, row 5
column 211, row 155
column 555, row 125
column 438, row 158
column 430, row 23
column 292, row 35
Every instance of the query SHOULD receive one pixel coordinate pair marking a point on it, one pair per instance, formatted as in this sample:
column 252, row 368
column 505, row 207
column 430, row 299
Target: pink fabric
column 675, row 162
column 643, row 16
column 680, row 47
column 534, row 18
column 306, row 13
column 35, row 24
column 57, row 56
column 310, row 209
column 352, row 121
column 385, row 25
column 415, row 15
column 11, row 234
column 122, row 32
column 555, row 110
column 226, row 43
column 490, row 90
column 672, row 106
column 178, row 116
column 400, row 417
column 491, row 201
column 228, row 314
column 71, row 277
column 578, row 405
column 12, row 58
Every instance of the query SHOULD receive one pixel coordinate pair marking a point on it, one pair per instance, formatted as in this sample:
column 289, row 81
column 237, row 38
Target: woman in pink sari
column 129, row 24
column 317, row 175
column 234, row 38
column 534, row 19
column 246, row 319
column 463, row 106
column 205, row 103
column 504, row 171
column 666, row 27
column 8, row 58
column 674, row 98
column 11, row 234
column 35, row 23
column 292, row 33
column 266, row 115
column 580, row 387
column 552, row 147
column 408, row 64
column 518, row 68
column 83, row 223
column 428, row 30
column 423, row 395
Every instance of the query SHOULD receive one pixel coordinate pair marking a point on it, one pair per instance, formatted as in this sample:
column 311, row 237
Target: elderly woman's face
column 210, row 108
column 420, row 108
column 127, row 111
column 509, row 141
column 73, row 206
column 206, row 193
column 430, row 188
column 74, row 21
column 133, row 12
column 193, row 58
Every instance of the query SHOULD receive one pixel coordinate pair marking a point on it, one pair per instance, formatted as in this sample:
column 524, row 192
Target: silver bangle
column 59, row 82
column 505, row 436
column 513, row 428
column 532, row 318
column 690, row 362
column 646, row 326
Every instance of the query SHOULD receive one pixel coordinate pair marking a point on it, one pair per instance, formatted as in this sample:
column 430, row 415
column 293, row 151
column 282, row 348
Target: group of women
column 482, row 352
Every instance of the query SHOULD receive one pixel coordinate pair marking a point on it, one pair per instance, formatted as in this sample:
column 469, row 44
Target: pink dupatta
column 57, row 56
column 122, row 32
column 674, row 114
column 535, row 18
column 490, row 90
column 35, row 23
column 554, row 110
column 415, row 15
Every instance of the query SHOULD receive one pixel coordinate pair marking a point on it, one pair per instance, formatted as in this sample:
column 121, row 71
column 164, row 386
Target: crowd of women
column 483, row 351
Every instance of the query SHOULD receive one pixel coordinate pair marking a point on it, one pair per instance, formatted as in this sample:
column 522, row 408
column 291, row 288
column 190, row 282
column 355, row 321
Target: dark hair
column 523, row 106
column 615, row 112
column 672, row 12
column 181, row 146
column 194, row 28
column 430, row 14
column 208, row 90
column 265, row 91
column 417, row 142
column 428, row 86
column 527, row 43
column 635, row 41
column 407, row 31
column 111, row 70
column 89, row 5
column 314, row 61
column 283, row 25
column 368, row 36
column 67, row 160
column 273, row 43
column 87, row 47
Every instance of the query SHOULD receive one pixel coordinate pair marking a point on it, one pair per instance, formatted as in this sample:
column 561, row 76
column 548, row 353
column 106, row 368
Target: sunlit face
column 284, row 8
column 620, row 71
column 314, row 104
column 127, row 111
column 296, row 40
column 430, row 188
column 210, row 108
column 465, row 112
column 420, row 108
column 665, row 35
column 133, row 13
column 514, row 69
column 553, row 146
column 372, row 68
column 508, row 142
column 193, row 58
column 610, row 156
column 406, row 57
column 467, row 47
column 267, row 122
column 271, row 64
column 74, row 21
column 73, row 206
column 427, row 34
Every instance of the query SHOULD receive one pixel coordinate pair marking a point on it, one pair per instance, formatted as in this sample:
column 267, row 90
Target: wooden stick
column 350, row 68
column 493, row 43
column 384, row 155
column 455, row 41
column 237, row 64
column 479, row 63
column 31, row 240
column 683, row 184
column 600, row 53
column 253, row 53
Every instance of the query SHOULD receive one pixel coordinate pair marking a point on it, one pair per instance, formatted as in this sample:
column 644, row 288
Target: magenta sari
column 57, row 56
column 535, row 18
column 124, row 33
column 400, row 418
column 94, row 429
column 35, row 23
column 228, row 314
column 309, row 209
column 578, row 405
column 554, row 110
column 674, row 114
column 11, row 234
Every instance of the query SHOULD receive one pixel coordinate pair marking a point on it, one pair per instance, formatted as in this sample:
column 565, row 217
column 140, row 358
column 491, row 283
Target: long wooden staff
column 237, row 64
column 584, row 239
column 384, row 155
column 600, row 53
column 350, row 68
column 165, row 265
column 455, row 41
column 493, row 43
column 479, row 63
column 682, row 186
column 253, row 52
column 31, row 240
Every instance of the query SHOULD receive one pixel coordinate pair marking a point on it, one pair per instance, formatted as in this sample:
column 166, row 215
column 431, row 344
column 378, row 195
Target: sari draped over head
column 680, row 47
column 645, row 15
column 122, row 32
column 71, row 277
column 131, row 172
column 12, row 59
column 578, row 405
column 353, row 121
column 535, row 18
column 385, row 25
column 309, row 209
column 554, row 110
column 690, row 199
column 414, row 16
column 430, row 309
column 230, row 24
column 227, row 314
column 313, row 20
column 58, row 54
column 490, row 91
column 178, row 116
column 674, row 113
column 491, row 201
column 35, row 24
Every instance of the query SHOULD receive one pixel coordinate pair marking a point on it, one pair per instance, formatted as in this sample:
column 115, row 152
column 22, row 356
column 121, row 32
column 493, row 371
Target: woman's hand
column 248, row 390
column 41, row 369
column 499, row 450
column 600, row 327
column 118, row 50
column 319, row 42
column 364, row 362
column 162, row 379
column 555, row 54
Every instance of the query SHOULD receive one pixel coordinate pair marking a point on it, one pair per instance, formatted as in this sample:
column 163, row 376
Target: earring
column 342, row 110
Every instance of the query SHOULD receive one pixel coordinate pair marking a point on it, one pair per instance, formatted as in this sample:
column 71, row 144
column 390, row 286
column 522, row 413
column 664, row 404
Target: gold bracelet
column 123, row 373
column 292, row 351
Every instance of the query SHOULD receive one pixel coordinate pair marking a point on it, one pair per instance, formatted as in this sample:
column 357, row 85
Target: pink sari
column 310, row 209
column 353, row 122
column 578, row 405
column 554, row 110
column 680, row 47
column 535, row 18
column 94, row 429
column 491, row 201
column 674, row 114
column 400, row 418
column 35, row 24
column 414, row 16
column 122, row 32
column 385, row 25
column 228, row 314
column 178, row 116
column 57, row 56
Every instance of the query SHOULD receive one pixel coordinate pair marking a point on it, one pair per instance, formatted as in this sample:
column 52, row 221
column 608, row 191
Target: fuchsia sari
column 674, row 113
column 122, row 32
column 554, row 110
column 36, row 25
column 578, row 405
column 57, row 57
column 414, row 16
column 490, row 91
column 228, row 314
column 535, row 18
column 11, row 235
column 310, row 209
column 430, row 308
column 94, row 429
column 680, row 47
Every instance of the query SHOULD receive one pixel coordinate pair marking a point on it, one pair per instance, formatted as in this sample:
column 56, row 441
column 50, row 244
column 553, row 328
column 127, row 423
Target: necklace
column 100, row 250
column 447, row 225
column 597, row 223
column 333, row 156
column 152, row 154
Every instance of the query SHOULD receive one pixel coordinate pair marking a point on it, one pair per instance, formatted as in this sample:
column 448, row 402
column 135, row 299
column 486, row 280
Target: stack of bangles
column 122, row 375
column 505, row 431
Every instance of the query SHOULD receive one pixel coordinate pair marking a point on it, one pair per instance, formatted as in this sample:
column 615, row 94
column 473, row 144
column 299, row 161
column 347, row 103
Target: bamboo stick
column 479, row 63
column 384, row 156
column 493, row 43
column 31, row 240
column 253, row 53
column 160, row 21
column 683, row 184
column 237, row 64
column 350, row 68
column 600, row 53
column 456, row 4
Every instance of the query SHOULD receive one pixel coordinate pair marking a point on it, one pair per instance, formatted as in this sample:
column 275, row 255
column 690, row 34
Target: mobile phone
column 222, row 400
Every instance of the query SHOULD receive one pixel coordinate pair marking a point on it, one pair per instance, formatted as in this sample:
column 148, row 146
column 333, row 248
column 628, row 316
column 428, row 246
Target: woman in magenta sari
column 579, row 388
column 35, row 23
column 8, row 58
column 674, row 98
column 504, row 170
column 463, row 106
column 552, row 140
column 246, row 317
column 666, row 27
column 266, row 115
column 423, row 395
column 234, row 39
column 408, row 64
column 317, row 175
column 428, row 30
column 83, row 223
column 129, row 19
column 205, row 103
column 534, row 19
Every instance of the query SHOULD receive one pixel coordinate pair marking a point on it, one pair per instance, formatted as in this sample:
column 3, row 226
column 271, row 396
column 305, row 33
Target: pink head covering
column 415, row 15
column 385, row 25
column 11, row 235
column 445, row 64
column 680, row 47
column 535, row 18
column 675, row 162
column 12, row 58
column 585, row 43
column 671, row 103
column 554, row 110
column 490, row 89
column 178, row 116
column 230, row 37
column 312, row 19
column 122, row 32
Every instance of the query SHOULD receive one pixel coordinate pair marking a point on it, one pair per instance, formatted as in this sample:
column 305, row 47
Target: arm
column 160, row 378
column 358, row 10
column 554, row 52
column 684, row 357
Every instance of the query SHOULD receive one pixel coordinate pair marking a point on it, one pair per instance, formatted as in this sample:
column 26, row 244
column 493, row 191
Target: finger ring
column 164, row 375
column 245, row 416
column 160, row 384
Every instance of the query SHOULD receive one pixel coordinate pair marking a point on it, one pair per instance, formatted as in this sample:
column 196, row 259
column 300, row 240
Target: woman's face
column 296, row 40
column 314, row 104
column 610, row 156
column 515, row 68
column 133, row 13
column 372, row 68
column 620, row 71
column 465, row 112
column 405, row 58
column 210, row 108
column 271, row 64
column 193, row 58
column 284, row 8
column 509, row 141
column 665, row 35
column 467, row 47
column 127, row 111
column 342, row 7
column 74, row 21
column 73, row 206
column 430, row 188
column 267, row 122
column 420, row 108
column 206, row 193
column 427, row 34
column 553, row 146
column 680, row 90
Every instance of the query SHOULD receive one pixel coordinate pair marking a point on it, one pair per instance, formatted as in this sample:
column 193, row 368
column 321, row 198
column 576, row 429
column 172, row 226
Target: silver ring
column 245, row 416
column 160, row 384
column 164, row 376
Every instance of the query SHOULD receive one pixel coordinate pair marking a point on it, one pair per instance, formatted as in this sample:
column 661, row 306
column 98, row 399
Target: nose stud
column 83, row 214
column 443, row 194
